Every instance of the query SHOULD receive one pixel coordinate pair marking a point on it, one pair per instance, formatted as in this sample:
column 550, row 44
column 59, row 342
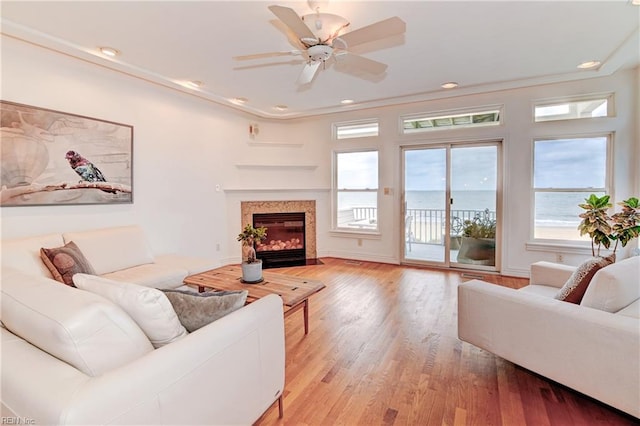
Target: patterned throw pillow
column 66, row 261
column 573, row 290
column 196, row 310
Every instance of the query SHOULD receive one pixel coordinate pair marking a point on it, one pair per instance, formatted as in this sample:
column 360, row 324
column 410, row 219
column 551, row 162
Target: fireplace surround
column 308, row 207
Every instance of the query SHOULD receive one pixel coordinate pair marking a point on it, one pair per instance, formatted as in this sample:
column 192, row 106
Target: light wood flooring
column 383, row 350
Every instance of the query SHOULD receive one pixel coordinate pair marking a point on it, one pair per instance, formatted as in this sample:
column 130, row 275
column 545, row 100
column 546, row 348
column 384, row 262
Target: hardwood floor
column 383, row 350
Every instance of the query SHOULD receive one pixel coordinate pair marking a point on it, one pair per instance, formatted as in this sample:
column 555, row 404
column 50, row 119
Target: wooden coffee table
column 294, row 291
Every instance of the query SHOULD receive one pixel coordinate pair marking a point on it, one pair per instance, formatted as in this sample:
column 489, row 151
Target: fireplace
column 308, row 255
column 285, row 243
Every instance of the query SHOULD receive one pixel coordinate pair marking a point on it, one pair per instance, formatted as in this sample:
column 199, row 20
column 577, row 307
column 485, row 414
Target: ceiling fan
column 319, row 36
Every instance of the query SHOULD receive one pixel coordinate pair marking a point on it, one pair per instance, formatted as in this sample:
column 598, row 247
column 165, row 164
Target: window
column 356, row 190
column 569, row 110
column 356, row 129
column 427, row 122
column 565, row 172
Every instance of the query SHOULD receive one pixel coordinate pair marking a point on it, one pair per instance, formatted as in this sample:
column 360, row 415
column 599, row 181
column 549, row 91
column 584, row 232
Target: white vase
column 252, row 272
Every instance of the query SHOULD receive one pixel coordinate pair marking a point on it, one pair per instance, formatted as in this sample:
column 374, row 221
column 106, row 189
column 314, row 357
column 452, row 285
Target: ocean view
column 553, row 209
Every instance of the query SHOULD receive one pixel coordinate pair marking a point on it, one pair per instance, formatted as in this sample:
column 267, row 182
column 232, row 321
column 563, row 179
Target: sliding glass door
column 450, row 215
column 425, row 204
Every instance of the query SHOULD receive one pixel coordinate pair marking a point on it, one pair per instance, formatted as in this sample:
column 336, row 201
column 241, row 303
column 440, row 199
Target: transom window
column 576, row 109
column 428, row 122
column 356, row 129
column 565, row 172
column 356, row 191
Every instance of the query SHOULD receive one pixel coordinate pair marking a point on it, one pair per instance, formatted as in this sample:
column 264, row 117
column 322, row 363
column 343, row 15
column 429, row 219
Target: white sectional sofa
column 593, row 347
column 73, row 357
column 118, row 253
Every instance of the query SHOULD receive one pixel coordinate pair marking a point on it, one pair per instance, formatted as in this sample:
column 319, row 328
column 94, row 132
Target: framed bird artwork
column 55, row 158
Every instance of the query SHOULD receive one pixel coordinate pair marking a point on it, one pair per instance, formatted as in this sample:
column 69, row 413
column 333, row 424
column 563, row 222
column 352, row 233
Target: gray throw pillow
column 196, row 310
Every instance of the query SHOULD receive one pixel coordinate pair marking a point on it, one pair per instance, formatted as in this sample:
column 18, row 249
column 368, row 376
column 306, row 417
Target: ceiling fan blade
column 308, row 72
column 270, row 64
column 349, row 61
column 291, row 19
column 377, row 31
column 267, row 55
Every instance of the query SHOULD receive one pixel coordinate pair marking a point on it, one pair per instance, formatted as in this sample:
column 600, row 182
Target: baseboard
column 511, row 272
column 362, row 257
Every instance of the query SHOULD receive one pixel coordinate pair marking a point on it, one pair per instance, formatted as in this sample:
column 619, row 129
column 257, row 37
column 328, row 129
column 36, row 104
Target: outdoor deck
column 425, row 229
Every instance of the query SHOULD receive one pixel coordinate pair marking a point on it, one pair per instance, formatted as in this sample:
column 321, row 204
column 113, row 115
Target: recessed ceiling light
column 281, row 107
column 239, row 100
column 347, row 101
column 588, row 65
column 109, row 51
column 450, row 85
column 195, row 84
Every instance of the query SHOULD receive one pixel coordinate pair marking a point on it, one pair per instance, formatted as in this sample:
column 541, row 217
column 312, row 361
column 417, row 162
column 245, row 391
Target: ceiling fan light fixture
column 109, row 51
column 449, row 85
column 325, row 26
column 587, row 65
column 319, row 52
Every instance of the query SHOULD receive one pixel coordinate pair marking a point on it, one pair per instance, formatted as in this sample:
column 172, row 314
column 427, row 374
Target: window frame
column 434, row 115
column 607, row 189
column 335, row 128
column 335, row 191
column 608, row 96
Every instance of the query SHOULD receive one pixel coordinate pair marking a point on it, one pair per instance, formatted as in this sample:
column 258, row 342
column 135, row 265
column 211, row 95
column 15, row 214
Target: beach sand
column 559, row 233
column 422, row 232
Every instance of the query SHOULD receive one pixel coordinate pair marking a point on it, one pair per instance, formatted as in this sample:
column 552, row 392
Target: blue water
column 553, row 209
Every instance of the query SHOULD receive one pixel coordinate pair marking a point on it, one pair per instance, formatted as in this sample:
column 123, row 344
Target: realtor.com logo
column 17, row 421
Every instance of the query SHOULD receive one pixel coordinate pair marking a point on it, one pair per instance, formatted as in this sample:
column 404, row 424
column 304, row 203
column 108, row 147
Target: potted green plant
column 603, row 229
column 478, row 245
column 251, row 267
column 626, row 224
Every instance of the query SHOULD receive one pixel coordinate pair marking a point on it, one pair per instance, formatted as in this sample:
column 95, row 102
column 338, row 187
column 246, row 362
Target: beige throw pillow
column 573, row 290
column 66, row 261
column 148, row 307
column 196, row 310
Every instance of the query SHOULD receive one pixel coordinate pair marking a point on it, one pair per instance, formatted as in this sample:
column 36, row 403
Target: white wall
column 517, row 133
column 184, row 147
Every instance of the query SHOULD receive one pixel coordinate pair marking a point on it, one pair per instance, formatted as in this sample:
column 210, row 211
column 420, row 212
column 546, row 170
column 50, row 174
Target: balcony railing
column 426, row 226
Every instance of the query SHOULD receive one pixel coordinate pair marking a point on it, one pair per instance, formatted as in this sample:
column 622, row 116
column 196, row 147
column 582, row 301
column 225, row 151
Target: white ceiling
column 481, row 45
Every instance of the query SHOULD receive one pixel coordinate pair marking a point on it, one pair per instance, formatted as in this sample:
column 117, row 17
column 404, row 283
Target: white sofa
column 593, row 347
column 73, row 357
column 118, row 253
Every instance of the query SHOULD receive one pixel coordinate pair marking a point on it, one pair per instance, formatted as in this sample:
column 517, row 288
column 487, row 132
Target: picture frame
column 51, row 157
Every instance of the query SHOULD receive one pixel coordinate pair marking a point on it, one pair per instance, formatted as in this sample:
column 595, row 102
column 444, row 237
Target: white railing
column 426, row 226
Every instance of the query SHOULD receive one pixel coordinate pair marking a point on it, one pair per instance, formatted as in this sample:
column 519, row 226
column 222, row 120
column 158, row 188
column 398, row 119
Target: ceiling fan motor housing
column 320, row 52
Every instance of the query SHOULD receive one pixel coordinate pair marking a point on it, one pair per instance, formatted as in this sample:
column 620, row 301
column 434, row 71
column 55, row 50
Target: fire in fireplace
column 285, row 243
